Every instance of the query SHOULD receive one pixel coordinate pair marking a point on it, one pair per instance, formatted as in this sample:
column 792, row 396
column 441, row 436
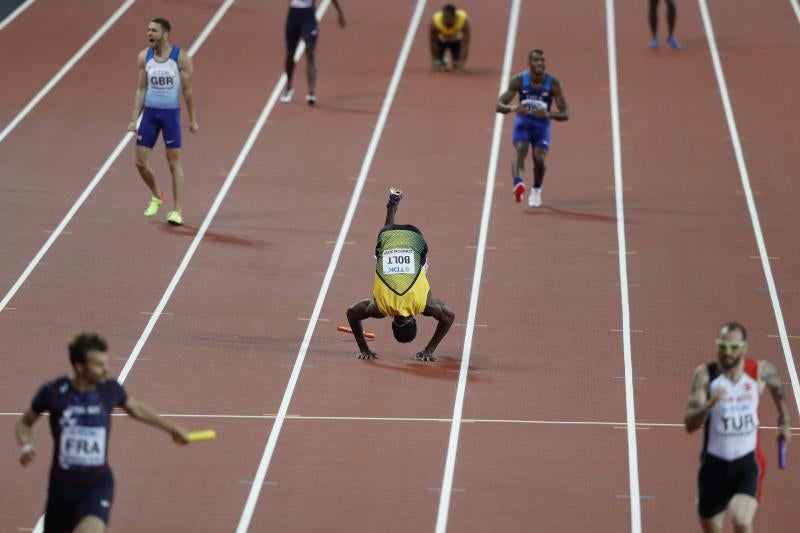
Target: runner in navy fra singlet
column 301, row 22
column 81, row 488
column 724, row 400
column 537, row 91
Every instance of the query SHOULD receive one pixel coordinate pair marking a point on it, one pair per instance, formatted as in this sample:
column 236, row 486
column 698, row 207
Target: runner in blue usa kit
column 537, row 91
column 165, row 71
column 301, row 22
column 81, row 487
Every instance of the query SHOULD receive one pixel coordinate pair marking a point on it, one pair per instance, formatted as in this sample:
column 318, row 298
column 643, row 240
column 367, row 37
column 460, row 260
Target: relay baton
column 781, row 447
column 345, row 329
column 197, row 436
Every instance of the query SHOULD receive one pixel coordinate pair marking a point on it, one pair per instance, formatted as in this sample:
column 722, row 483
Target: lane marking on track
column 796, row 8
column 100, row 174
column 501, row 421
column 630, row 411
column 11, row 16
column 65, row 69
column 751, row 203
column 272, row 440
column 486, row 211
column 788, row 336
column 771, row 258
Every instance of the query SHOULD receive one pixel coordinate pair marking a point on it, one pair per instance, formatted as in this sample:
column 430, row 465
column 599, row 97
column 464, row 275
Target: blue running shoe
column 654, row 44
column 673, row 43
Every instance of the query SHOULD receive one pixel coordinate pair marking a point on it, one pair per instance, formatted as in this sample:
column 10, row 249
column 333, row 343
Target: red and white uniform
column 732, row 426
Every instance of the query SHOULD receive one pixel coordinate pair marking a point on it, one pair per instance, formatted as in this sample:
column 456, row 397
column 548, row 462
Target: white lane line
column 455, row 426
column 99, row 175
column 65, row 69
column 39, row 527
column 14, row 14
column 269, row 449
column 796, row 8
column 751, row 203
column 630, row 413
column 602, row 423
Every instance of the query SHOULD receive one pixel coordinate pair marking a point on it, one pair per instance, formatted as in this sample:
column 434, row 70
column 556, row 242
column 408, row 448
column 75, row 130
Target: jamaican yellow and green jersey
column 450, row 33
column 400, row 256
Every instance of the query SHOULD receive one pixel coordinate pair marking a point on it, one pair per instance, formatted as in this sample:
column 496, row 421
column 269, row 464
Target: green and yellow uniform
column 454, row 32
column 401, row 287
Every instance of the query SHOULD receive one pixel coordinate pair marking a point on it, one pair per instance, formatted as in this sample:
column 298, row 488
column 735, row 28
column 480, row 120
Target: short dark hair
column 164, row 23
column 449, row 8
column 84, row 343
column 732, row 326
column 535, row 51
column 405, row 331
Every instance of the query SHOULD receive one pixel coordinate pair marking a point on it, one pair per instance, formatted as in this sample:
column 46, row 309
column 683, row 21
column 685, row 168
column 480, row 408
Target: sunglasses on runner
column 731, row 345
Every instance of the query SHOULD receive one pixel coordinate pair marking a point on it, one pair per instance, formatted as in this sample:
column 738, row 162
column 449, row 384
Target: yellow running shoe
column 152, row 207
column 174, row 218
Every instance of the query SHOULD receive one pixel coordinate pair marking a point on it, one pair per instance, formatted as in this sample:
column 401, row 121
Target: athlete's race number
column 399, row 261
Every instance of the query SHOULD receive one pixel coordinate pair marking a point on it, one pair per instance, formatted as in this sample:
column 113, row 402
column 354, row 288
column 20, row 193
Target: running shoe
column 152, row 207
column 311, row 99
column 286, row 95
column 395, row 195
column 673, row 42
column 519, row 191
column 654, row 44
column 535, row 199
column 174, row 218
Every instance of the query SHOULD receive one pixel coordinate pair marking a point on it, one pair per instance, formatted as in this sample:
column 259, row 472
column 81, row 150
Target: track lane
column 694, row 265
column 43, row 38
column 551, row 310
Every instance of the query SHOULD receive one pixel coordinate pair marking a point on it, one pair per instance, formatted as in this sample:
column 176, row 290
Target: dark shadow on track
column 571, row 215
column 445, row 369
column 213, row 237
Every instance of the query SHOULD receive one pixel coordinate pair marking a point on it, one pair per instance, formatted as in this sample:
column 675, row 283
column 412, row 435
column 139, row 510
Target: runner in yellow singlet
column 449, row 31
column 400, row 289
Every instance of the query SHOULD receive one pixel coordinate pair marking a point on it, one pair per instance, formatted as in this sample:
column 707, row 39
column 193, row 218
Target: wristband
column 26, row 448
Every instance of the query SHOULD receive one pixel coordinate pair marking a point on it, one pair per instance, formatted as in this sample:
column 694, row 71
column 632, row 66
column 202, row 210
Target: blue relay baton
column 781, row 449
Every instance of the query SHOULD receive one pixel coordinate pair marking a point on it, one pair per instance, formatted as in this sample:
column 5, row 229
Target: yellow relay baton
column 197, row 436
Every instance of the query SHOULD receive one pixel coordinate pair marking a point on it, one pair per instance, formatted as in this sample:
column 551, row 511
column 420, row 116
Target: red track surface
column 547, row 347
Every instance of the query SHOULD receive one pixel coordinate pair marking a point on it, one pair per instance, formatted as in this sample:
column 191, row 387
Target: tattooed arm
column 770, row 377
column 699, row 404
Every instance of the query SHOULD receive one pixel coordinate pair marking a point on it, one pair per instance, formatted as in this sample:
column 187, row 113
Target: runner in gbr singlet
column 165, row 72
column 161, row 101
